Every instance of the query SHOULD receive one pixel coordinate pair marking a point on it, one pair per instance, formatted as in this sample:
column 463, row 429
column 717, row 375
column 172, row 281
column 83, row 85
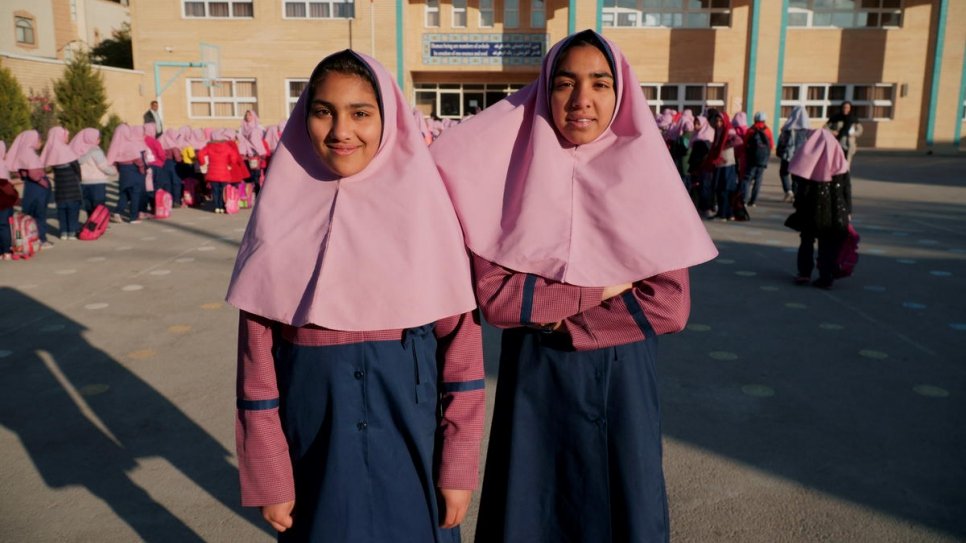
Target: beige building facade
column 900, row 62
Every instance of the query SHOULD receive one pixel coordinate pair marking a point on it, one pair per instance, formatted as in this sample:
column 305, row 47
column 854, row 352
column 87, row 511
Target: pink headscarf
column 272, row 136
column 4, row 172
column 252, row 133
column 23, row 152
column 85, row 140
column 198, row 138
column 387, row 255
column 819, row 158
column 57, row 149
column 150, row 129
column 666, row 119
column 600, row 214
column 208, row 132
column 169, row 139
column 127, row 144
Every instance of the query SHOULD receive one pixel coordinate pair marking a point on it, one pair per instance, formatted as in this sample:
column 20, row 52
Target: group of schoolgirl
column 360, row 386
column 720, row 160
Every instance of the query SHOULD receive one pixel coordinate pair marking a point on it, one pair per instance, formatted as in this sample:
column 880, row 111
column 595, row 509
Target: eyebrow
column 354, row 105
column 595, row 75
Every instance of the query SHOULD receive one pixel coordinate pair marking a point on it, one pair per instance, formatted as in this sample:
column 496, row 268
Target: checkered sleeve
column 655, row 306
column 463, row 400
column 264, row 466
column 509, row 299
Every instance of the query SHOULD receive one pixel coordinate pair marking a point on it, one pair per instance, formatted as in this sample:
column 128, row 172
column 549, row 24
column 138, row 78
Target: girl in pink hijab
column 823, row 205
column 251, row 143
column 23, row 158
column 582, row 234
column 8, row 198
column 127, row 153
column 360, row 369
column 62, row 159
column 96, row 171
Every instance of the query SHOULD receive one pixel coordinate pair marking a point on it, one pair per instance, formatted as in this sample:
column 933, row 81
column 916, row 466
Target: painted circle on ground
column 874, row 288
column 724, row 261
column 184, row 260
column 142, row 354
column 131, row 288
column 753, row 232
column 160, row 272
column 960, row 326
column 123, row 248
column 94, row 389
column 723, row 355
column 931, row 391
column 940, row 273
column 96, row 259
column 876, row 355
column 167, row 230
column 211, row 305
column 830, row 326
column 958, row 251
column 149, row 238
column 746, row 273
column 790, row 250
column 52, row 328
column 698, row 327
column 795, row 305
column 900, row 234
column 758, row 391
column 4, row 353
column 96, row 305
column 906, row 261
column 28, row 286
column 179, row 329
column 876, row 251
column 772, row 242
column 769, row 288
column 68, row 271
column 913, row 305
column 205, row 248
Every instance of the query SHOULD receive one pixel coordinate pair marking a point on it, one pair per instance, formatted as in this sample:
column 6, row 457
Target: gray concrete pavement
column 791, row 413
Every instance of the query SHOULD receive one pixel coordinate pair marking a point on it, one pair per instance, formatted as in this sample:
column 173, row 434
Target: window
column 24, row 28
column 293, row 89
column 455, row 101
column 219, row 9
column 486, row 13
column 681, row 96
column 538, row 14
column 459, row 13
column 432, row 13
column 224, row 99
column 511, row 13
column 873, row 102
column 667, row 13
column 324, row 9
column 845, row 13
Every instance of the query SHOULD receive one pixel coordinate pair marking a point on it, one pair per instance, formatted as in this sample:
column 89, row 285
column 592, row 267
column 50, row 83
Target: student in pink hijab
column 62, row 160
column 96, row 171
column 251, row 144
column 8, row 198
column 23, row 158
column 360, row 369
column 127, row 153
column 170, row 180
column 581, row 235
column 823, row 205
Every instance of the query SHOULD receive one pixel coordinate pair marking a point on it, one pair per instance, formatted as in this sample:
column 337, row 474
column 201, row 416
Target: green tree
column 14, row 108
column 116, row 50
column 81, row 96
column 43, row 111
column 107, row 131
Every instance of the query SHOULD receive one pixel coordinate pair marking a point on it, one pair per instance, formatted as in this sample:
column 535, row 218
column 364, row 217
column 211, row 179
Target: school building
column 901, row 62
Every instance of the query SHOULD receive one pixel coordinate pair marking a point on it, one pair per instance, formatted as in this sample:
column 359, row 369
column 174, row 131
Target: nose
column 579, row 98
column 341, row 129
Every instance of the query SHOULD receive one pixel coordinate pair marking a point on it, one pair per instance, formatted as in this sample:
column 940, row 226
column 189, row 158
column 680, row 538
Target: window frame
column 491, row 10
column 534, row 12
column 31, row 22
column 464, row 11
column 207, row 15
column 308, row 10
column 611, row 15
column 237, row 102
column 682, row 102
column 460, row 89
column 511, row 6
column 431, row 10
column 827, row 103
column 809, row 12
column 290, row 101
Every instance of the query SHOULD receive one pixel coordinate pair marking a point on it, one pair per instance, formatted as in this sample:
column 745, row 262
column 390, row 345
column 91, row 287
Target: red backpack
column 162, row 204
column 231, row 199
column 96, row 224
column 23, row 233
column 191, row 197
column 248, row 196
column 848, row 254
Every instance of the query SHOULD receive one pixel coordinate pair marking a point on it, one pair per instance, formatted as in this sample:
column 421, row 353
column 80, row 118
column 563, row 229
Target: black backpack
column 759, row 148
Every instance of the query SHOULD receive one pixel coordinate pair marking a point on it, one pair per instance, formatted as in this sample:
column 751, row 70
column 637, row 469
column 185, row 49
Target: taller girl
column 582, row 233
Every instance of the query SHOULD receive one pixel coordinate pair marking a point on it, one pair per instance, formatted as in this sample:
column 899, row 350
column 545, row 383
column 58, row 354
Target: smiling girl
column 360, row 367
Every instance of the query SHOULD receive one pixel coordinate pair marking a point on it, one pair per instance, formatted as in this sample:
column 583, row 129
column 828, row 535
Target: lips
column 342, row 150
column 579, row 122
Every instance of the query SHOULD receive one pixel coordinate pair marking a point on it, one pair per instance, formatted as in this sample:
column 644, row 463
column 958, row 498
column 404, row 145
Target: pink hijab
column 819, row 158
column 600, row 214
column 169, row 139
column 272, row 136
column 57, row 148
column 705, row 133
column 23, row 152
column 198, row 138
column 377, row 250
column 85, row 140
column 4, row 172
column 252, row 133
column 127, row 144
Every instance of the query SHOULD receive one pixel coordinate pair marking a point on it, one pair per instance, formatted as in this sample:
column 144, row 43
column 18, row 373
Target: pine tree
column 14, row 109
column 81, row 97
column 107, row 131
column 43, row 111
column 116, row 50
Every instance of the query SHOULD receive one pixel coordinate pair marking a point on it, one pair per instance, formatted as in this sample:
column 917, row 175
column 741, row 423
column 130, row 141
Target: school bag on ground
column 191, row 198
column 96, row 224
column 162, row 204
column 248, row 196
column 231, row 199
column 849, row 254
column 758, row 148
column 23, row 233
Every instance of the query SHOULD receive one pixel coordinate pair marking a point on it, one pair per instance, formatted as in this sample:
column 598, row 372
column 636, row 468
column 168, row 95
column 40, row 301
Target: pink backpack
column 162, row 204
column 248, row 196
column 231, row 199
column 23, row 233
column 96, row 224
column 190, row 196
column 848, row 254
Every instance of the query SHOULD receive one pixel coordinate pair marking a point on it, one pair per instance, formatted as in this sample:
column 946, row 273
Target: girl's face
column 582, row 95
column 344, row 123
column 846, row 108
column 248, row 116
